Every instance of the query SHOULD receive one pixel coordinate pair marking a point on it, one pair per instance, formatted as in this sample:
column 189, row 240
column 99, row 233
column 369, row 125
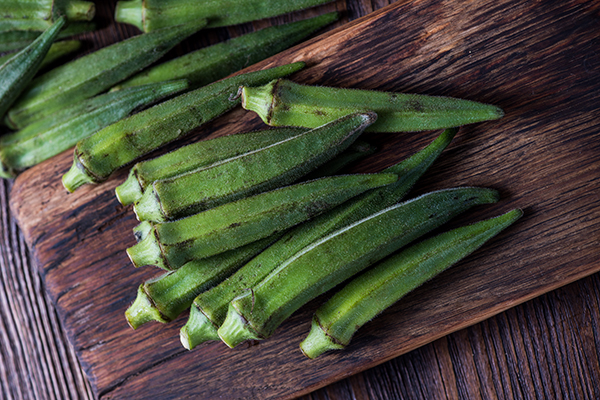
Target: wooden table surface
column 547, row 347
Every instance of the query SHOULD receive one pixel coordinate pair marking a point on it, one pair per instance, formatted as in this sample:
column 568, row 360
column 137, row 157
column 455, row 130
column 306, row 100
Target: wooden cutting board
column 539, row 61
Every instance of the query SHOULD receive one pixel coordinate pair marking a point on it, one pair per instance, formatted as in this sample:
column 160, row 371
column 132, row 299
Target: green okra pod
column 210, row 308
column 17, row 72
column 212, row 63
column 169, row 245
column 357, row 150
column 331, row 260
column 119, row 144
column 149, row 15
column 196, row 156
column 17, row 40
column 162, row 299
column 39, row 15
column 368, row 294
column 57, row 51
column 285, row 103
column 46, row 138
column 92, row 74
column 254, row 172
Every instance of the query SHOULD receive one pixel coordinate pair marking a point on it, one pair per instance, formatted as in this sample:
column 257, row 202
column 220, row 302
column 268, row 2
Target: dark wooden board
column 538, row 61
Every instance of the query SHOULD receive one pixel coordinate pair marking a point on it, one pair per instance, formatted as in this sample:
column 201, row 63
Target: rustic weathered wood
column 539, row 65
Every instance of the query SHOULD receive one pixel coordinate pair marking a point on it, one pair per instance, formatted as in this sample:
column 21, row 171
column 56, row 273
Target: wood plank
column 538, row 64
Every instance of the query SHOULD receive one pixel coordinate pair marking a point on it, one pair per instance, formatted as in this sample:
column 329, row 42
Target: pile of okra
column 251, row 226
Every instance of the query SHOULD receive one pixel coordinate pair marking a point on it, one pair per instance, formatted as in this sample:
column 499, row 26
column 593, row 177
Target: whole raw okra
column 149, row 15
column 119, row 144
column 210, row 308
column 212, row 63
column 17, row 72
column 285, row 103
column 39, row 15
column 273, row 166
column 169, row 245
column 46, row 138
column 336, row 257
column 162, row 299
column 367, row 295
column 196, row 156
column 92, row 74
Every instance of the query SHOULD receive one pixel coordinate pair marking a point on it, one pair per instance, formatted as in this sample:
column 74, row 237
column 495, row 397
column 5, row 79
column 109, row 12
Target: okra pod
column 119, row 144
column 331, row 260
column 46, row 138
column 149, row 15
column 285, row 103
column 162, row 299
column 357, row 150
column 39, row 15
column 251, row 173
column 210, row 308
column 92, row 74
column 215, row 62
column 56, row 51
column 370, row 293
column 17, row 72
column 17, row 40
column 196, row 156
column 169, row 245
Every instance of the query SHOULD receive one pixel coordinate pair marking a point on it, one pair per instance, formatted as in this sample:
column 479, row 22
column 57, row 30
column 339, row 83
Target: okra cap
column 318, row 342
column 235, row 329
column 198, row 329
column 130, row 12
column 130, row 190
column 147, row 252
column 142, row 310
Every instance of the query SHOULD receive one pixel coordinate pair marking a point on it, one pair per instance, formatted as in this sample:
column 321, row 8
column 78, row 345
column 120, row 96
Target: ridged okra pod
column 169, row 245
column 196, row 156
column 357, row 150
column 162, row 299
column 370, row 293
column 212, row 63
column 149, row 15
column 46, row 138
column 92, row 74
column 336, row 257
column 17, row 72
column 210, row 308
column 57, row 50
column 119, row 144
column 17, row 40
column 254, row 172
column 285, row 103
column 39, row 15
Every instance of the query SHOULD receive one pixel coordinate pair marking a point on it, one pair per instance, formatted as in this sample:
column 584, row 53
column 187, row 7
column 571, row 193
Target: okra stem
column 285, row 103
column 370, row 293
column 210, row 308
column 92, row 74
column 46, row 138
column 17, row 72
column 149, row 15
column 40, row 15
column 162, row 299
column 338, row 256
column 215, row 62
column 273, row 166
column 171, row 244
column 119, row 144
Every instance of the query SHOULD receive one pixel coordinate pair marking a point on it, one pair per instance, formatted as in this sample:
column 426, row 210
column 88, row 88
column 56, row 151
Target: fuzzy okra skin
column 119, row 144
column 196, row 156
column 336, row 257
column 56, row 51
column 370, row 293
column 162, row 299
column 149, row 15
column 285, row 103
column 39, row 15
column 210, row 308
column 251, row 173
column 94, row 73
column 169, row 245
column 17, row 72
column 46, row 138
column 215, row 62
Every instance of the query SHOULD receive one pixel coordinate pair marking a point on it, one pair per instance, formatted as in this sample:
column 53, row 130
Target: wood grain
column 543, row 155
